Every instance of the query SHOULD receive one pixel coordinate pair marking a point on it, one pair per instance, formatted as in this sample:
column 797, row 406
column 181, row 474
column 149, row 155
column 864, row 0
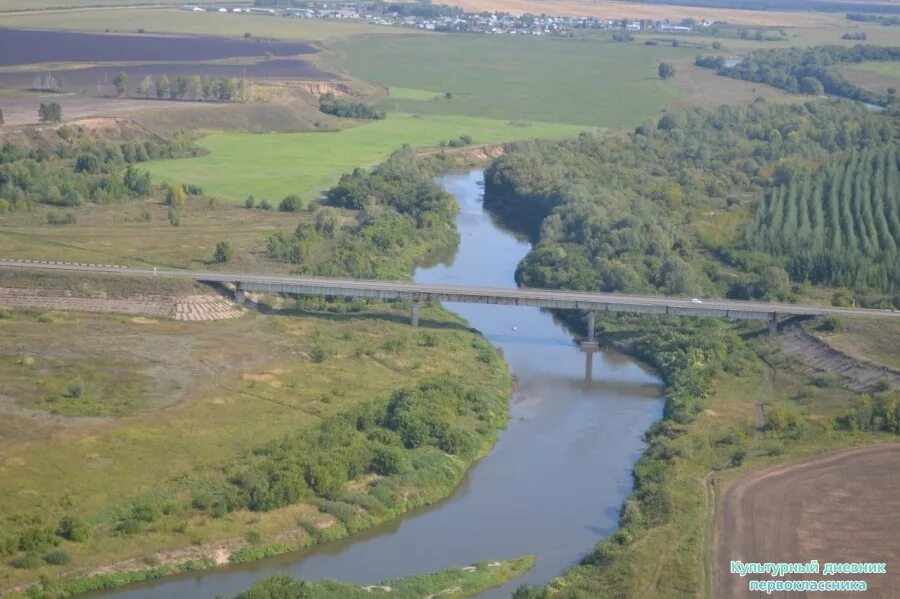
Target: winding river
column 551, row 487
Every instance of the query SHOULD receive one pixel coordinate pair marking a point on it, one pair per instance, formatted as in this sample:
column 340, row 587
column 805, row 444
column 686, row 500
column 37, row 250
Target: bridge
column 588, row 302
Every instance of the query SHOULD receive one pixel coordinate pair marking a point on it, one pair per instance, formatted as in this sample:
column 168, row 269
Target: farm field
column 172, row 20
column 603, row 83
column 12, row 5
column 272, row 166
column 826, row 508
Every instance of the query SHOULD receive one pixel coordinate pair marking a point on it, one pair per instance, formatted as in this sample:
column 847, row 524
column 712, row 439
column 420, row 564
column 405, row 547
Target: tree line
column 192, row 87
column 807, row 70
column 80, row 171
column 348, row 109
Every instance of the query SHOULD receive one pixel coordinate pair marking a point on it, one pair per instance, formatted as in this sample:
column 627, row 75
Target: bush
column 389, row 460
column 223, row 252
column 291, row 203
column 265, row 205
column 26, row 562
column 175, row 196
column 249, row 202
column 76, row 390
column 253, row 537
column 73, row 529
column 55, row 218
column 58, row 557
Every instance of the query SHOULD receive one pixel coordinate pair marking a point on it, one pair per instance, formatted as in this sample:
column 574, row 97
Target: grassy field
column 238, row 384
column 885, row 69
column 120, row 234
column 172, row 20
column 585, row 82
column 275, row 165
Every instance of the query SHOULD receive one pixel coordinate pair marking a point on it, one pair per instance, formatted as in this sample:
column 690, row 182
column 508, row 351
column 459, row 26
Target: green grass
column 271, row 166
column 585, row 82
column 406, row 93
column 172, row 20
column 885, row 69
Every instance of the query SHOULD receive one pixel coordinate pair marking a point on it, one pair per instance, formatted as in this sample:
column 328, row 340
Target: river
column 553, row 484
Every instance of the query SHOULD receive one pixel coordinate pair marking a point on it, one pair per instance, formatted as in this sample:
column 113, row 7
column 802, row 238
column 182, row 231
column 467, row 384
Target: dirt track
column 842, row 507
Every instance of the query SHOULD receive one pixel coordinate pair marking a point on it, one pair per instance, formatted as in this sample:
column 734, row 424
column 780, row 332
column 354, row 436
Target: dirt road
column 842, row 507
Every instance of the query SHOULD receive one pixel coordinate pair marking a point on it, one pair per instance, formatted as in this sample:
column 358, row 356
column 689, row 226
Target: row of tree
column 840, row 225
column 348, row 109
column 193, row 87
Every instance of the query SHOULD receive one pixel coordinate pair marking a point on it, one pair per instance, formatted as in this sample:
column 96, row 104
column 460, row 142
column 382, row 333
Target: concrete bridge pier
column 240, row 296
column 590, row 325
column 773, row 324
column 414, row 313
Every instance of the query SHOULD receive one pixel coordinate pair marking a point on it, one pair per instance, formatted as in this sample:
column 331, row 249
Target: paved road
column 576, row 300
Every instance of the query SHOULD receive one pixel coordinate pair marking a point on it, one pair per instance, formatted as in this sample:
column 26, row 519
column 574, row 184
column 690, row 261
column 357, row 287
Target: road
column 572, row 300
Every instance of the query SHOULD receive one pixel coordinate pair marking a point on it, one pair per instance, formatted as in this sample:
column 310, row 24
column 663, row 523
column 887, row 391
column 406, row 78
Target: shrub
column 76, row 390
column 73, row 529
column 265, row 205
column 26, row 562
column 223, row 252
column 175, row 196
column 249, row 202
column 253, row 537
column 389, row 460
column 35, row 539
column 290, row 203
column 58, row 557
column 56, row 218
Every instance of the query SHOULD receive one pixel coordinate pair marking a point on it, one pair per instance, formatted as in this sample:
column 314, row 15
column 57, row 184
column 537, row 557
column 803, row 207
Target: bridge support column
column 240, row 296
column 590, row 326
column 414, row 313
column 773, row 324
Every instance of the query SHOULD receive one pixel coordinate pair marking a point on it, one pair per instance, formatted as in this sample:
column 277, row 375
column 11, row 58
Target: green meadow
column 885, row 69
column 271, row 166
column 584, row 82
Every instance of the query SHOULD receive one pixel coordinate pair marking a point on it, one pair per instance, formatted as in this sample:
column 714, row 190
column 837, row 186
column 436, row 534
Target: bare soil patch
column 857, row 375
column 841, row 507
column 27, row 46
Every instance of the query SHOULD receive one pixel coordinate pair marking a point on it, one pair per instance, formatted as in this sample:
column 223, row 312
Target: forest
column 807, row 70
column 839, row 226
column 623, row 214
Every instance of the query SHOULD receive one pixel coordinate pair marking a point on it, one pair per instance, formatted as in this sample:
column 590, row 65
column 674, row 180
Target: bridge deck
column 573, row 300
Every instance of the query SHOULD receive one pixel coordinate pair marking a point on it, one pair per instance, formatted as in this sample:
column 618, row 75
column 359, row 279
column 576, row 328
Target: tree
column 1, row 117
column 811, row 86
column 136, row 182
column 180, row 88
column 121, row 81
column 163, row 87
column 224, row 251
column 50, row 113
column 145, row 86
column 665, row 70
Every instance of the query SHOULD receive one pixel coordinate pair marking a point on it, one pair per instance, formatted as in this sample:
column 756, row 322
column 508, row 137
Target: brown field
column 841, row 507
column 622, row 10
